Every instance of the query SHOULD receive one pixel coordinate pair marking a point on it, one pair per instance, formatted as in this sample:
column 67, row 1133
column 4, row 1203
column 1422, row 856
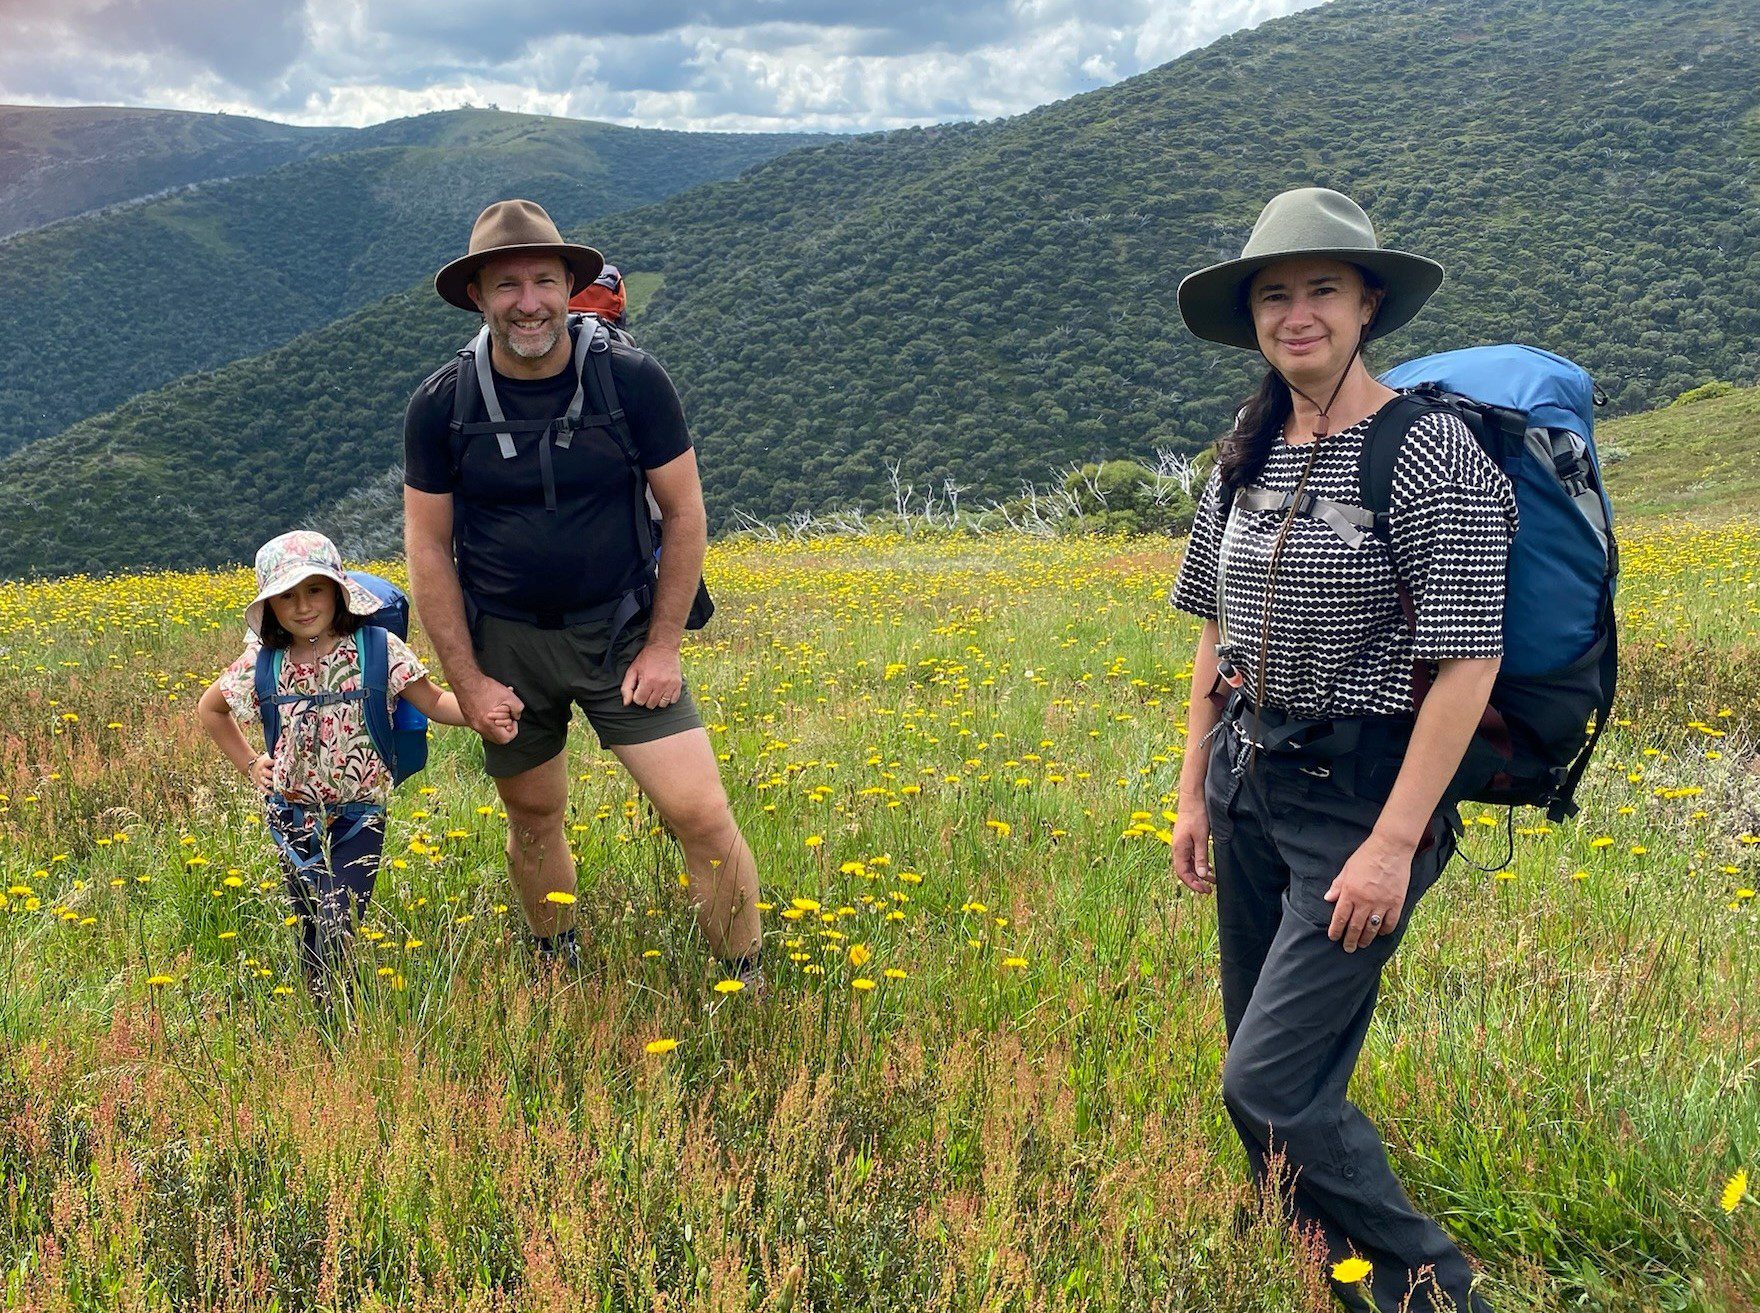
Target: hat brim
column 360, row 601
column 1213, row 301
column 453, row 281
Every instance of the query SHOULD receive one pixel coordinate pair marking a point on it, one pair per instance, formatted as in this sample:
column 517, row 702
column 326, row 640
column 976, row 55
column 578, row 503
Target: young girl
column 326, row 785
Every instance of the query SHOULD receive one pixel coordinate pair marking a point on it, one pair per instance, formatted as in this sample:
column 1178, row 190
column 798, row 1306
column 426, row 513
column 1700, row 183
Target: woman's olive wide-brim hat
column 1308, row 222
column 514, row 228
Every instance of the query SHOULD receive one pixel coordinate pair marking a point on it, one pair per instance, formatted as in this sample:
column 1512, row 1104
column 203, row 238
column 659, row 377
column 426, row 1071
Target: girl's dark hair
column 1242, row 453
column 274, row 635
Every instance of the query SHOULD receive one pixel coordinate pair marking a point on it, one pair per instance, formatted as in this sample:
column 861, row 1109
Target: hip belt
column 1360, row 754
column 1279, row 733
column 292, row 820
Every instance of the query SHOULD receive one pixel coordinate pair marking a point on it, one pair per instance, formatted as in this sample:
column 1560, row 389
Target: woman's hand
column 1370, row 893
column 260, row 771
column 1191, row 848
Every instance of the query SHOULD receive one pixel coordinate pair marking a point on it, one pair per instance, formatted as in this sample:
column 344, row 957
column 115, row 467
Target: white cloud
column 759, row 65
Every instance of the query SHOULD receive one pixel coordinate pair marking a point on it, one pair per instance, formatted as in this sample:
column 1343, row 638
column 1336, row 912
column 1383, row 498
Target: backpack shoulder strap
column 479, row 363
column 598, row 357
column 268, row 680
column 1381, row 447
column 466, row 396
column 374, row 649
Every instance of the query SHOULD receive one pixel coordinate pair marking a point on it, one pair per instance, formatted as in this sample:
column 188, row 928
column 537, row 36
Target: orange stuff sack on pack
column 602, row 297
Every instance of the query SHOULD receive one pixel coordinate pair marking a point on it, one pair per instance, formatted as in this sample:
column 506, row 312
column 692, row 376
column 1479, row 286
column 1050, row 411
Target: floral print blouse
column 324, row 753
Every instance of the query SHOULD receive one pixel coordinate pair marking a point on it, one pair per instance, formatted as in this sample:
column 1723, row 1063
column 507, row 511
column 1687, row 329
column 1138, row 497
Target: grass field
column 1696, row 457
column 955, row 759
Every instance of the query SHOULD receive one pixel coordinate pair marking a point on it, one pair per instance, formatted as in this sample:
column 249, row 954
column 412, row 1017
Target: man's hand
column 654, row 678
column 1370, row 893
column 490, row 708
column 1191, row 848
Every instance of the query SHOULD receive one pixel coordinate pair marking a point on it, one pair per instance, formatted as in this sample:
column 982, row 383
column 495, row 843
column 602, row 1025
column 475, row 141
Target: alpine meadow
column 986, row 1077
column 951, row 431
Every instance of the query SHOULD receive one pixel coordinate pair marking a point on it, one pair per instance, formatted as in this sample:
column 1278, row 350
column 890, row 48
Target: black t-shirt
column 511, row 549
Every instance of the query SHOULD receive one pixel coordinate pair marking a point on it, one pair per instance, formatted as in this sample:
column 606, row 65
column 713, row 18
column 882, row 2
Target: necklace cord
column 1321, row 431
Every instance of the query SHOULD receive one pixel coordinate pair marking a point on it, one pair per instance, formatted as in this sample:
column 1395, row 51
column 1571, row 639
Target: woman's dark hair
column 274, row 635
column 1242, row 453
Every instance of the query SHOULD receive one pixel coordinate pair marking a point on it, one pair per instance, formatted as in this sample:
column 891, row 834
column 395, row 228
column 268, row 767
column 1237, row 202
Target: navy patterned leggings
column 330, row 856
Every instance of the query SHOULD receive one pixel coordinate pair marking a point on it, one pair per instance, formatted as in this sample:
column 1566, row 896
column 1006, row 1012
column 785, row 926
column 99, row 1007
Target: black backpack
column 474, row 394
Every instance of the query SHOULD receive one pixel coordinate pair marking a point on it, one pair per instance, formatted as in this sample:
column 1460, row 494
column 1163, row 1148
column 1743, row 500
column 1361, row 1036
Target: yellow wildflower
column 1734, row 1191
column 1351, row 1271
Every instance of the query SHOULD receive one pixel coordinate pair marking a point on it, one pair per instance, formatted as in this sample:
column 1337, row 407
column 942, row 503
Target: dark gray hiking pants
column 1297, row 1008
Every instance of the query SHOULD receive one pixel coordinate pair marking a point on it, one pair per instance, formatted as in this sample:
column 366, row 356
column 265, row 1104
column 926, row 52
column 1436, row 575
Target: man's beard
column 502, row 334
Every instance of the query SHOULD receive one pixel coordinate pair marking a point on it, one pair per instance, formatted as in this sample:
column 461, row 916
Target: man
column 529, row 532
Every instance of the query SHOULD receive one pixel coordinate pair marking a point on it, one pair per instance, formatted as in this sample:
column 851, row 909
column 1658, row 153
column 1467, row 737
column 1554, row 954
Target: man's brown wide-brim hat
column 514, row 228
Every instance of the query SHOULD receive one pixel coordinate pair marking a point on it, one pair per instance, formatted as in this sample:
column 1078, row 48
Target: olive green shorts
column 554, row 670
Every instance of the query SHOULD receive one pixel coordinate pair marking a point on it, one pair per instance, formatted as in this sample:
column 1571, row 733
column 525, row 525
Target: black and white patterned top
column 1340, row 645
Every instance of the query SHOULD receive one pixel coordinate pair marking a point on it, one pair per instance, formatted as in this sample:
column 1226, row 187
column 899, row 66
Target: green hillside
column 59, row 162
column 991, row 302
column 202, row 277
column 1696, row 456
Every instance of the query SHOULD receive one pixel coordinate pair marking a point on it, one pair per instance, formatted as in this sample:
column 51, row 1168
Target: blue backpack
column 1533, row 413
column 400, row 739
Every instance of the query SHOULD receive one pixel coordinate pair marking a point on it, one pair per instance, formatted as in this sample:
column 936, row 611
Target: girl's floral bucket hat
column 285, row 561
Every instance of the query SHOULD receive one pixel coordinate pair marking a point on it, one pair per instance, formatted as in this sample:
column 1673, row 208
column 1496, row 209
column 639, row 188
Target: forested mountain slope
column 57, row 162
column 205, row 276
column 989, row 302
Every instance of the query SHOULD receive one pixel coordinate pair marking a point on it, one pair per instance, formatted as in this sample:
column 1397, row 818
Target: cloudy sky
column 834, row 65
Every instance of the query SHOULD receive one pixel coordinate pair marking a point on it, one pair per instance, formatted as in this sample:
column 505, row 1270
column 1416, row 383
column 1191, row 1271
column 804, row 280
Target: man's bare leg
column 538, row 858
column 681, row 777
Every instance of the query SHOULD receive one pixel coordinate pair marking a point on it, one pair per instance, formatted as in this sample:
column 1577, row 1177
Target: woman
column 1321, row 790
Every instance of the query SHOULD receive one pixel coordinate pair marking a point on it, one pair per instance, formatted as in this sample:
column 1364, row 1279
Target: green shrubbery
column 1122, row 496
column 1704, row 392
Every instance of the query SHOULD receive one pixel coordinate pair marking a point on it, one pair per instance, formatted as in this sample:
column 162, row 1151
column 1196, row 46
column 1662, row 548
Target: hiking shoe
column 747, row 982
column 559, row 954
column 757, row 984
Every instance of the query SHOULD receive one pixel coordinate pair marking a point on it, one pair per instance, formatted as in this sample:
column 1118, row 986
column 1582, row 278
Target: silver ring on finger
column 1375, row 921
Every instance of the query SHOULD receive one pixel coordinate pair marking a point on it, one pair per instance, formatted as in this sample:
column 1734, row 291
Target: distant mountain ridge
column 227, row 268
column 989, row 302
column 57, row 162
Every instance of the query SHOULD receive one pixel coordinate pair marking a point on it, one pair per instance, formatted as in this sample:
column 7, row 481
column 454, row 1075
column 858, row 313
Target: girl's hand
column 1370, row 893
column 1191, row 849
column 489, row 707
column 260, row 771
